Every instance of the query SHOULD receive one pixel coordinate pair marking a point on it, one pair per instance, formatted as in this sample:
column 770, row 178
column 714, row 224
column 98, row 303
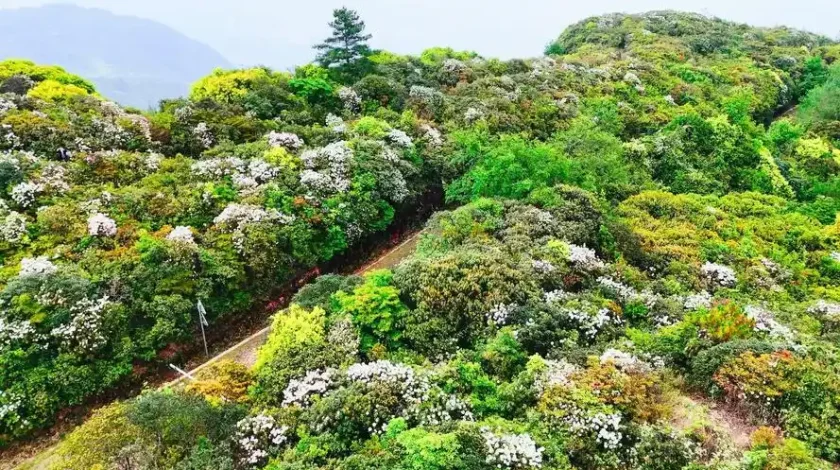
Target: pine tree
column 348, row 43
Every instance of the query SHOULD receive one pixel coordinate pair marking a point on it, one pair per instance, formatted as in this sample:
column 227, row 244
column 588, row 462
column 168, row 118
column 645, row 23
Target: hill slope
column 134, row 61
column 638, row 227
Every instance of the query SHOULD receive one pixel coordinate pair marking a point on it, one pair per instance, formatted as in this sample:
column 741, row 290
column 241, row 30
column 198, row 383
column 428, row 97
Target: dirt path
column 700, row 411
column 244, row 352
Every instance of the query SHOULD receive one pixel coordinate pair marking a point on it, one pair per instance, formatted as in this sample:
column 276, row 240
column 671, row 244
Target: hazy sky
column 280, row 33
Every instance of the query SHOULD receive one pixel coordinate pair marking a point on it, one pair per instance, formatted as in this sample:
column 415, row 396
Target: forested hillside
column 640, row 223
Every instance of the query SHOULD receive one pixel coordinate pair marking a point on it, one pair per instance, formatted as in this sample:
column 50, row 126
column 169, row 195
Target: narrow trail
column 244, row 352
column 700, row 411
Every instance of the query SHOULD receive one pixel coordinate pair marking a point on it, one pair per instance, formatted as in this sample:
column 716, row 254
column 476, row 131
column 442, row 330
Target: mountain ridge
column 133, row 60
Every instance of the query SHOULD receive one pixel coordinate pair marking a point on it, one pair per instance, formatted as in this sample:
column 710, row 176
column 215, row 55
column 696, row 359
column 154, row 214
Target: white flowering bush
column 410, row 389
column 352, row 101
column 624, row 361
column 584, row 258
column 542, row 266
column 84, row 333
column 718, row 274
column 607, row 428
column 765, row 322
column 433, row 136
column 40, row 266
column 592, row 324
column 473, row 114
column 701, row 299
column 12, row 332
column 327, row 169
column 235, row 216
column 204, row 135
column 13, row 227
column 557, row 374
column 181, row 235
column 399, row 138
column 24, row 194
column 500, row 314
column 285, row 139
column 258, row 438
column 300, row 391
column 100, row 225
column 336, row 124
column 514, row 451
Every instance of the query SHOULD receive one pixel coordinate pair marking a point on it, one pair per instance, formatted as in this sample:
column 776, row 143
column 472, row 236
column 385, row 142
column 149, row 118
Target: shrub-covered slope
column 639, row 224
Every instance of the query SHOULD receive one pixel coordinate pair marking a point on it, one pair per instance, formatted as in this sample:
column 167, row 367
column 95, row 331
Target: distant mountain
column 133, row 61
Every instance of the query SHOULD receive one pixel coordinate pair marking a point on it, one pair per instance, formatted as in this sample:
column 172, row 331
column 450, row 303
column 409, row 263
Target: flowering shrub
column 517, row 451
column 718, row 274
column 182, row 235
column 315, row 382
column 100, row 225
column 285, row 139
column 39, row 266
column 258, row 437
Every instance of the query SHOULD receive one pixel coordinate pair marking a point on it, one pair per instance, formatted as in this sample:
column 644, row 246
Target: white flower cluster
column 218, row 168
column 624, row 361
column 399, row 138
column 53, row 179
column 13, row 227
column 413, row 390
column 336, row 124
column 606, row 427
column 432, row 135
column 327, row 168
column 235, row 216
column 835, row 255
column 343, row 337
column 556, row 295
column 9, row 405
column 453, row 66
column 299, row 391
column 718, row 274
column 83, row 334
column 352, row 101
column 14, row 331
column 182, row 235
column 584, row 258
column 473, row 114
column 514, row 451
column 557, row 374
column 258, row 437
column 445, row 409
column 591, row 325
column 625, row 293
column 285, row 139
column 766, row 323
column 632, row 78
column 204, row 135
column 100, row 225
column 39, row 266
column 824, row 308
column 500, row 313
column 6, row 106
column 701, row 299
column 425, row 95
column 542, row 266
column 24, row 194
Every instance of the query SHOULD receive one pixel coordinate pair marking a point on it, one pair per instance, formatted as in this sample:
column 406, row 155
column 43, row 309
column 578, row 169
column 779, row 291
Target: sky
column 280, row 33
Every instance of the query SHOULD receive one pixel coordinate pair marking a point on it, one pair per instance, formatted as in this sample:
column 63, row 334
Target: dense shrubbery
column 638, row 222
